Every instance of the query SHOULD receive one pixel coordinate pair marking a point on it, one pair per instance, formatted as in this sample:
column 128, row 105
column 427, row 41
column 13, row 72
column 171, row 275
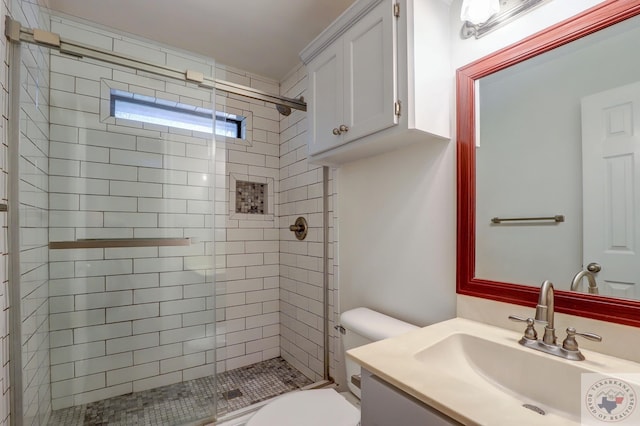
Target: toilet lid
column 319, row 407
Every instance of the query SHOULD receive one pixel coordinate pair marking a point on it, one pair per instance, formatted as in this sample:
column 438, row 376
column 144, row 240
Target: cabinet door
column 325, row 108
column 385, row 405
column 370, row 85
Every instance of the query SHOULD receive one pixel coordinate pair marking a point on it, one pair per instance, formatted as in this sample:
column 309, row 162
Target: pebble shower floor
column 190, row 401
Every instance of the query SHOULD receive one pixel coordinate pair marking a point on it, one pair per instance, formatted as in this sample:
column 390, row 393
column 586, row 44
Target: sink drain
column 534, row 408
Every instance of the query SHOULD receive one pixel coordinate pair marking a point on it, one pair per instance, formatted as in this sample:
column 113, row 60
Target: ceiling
column 260, row 36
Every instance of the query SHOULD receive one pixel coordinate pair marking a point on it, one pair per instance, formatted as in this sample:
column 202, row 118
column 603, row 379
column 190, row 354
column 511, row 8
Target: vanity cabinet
column 378, row 77
column 383, row 404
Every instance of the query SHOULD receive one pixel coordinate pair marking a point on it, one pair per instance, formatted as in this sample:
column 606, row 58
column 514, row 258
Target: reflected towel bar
column 119, row 242
column 556, row 218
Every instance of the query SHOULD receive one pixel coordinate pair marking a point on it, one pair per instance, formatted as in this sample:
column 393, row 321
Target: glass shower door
column 126, row 168
column 30, row 269
column 131, row 285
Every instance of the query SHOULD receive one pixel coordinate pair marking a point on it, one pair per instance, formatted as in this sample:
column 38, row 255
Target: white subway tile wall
column 247, row 250
column 301, row 262
column 126, row 319
column 34, row 169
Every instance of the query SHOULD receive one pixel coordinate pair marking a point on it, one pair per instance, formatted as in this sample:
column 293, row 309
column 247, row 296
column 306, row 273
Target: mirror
column 533, row 160
column 538, row 126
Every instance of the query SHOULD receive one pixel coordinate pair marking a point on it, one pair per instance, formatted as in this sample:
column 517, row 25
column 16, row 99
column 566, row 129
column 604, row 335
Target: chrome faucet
column 593, row 285
column 544, row 314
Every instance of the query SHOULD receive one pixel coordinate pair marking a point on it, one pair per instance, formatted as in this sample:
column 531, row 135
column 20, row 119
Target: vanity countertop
column 478, row 374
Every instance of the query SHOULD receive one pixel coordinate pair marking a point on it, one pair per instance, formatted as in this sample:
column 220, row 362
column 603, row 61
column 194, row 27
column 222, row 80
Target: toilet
column 322, row 407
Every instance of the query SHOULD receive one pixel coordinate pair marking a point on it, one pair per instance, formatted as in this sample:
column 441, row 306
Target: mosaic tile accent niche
column 251, row 197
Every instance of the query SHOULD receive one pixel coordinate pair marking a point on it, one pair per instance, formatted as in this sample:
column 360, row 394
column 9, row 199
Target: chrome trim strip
column 325, row 269
column 119, row 242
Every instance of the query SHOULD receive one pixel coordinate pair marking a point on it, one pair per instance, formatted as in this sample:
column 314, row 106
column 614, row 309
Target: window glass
column 151, row 110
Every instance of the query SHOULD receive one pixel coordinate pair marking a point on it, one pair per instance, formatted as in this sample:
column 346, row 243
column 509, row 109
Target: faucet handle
column 530, row 332
column 518, row 318
column 570, row 342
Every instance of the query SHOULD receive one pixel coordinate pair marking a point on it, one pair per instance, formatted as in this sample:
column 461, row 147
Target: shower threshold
column 191, row 401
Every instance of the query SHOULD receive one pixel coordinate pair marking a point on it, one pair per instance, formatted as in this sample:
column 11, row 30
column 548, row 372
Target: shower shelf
column 119, row 242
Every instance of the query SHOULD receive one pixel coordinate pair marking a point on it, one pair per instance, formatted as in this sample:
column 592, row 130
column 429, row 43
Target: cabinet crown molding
column 338, row 27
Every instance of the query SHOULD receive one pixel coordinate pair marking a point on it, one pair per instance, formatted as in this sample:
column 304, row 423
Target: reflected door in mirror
column 611, row 189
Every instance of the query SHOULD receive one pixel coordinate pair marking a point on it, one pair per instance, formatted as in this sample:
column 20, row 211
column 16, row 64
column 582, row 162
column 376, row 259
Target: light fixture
column 480, row 17
column 478, row 11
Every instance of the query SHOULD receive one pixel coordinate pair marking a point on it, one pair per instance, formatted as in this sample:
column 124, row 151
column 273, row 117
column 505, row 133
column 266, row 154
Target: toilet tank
column 363, row 326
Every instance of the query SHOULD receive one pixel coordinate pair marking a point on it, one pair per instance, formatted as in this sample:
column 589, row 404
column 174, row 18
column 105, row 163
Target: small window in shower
column 147, row 109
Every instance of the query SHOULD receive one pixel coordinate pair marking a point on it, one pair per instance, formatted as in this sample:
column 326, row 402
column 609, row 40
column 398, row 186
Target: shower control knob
column 336, row 131
column 300, row 228
column 343, row 128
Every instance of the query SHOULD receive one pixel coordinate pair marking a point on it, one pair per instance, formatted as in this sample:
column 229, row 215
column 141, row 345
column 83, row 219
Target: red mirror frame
column 620, row 311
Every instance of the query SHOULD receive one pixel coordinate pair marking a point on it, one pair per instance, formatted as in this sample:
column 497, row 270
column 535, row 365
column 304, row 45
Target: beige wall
column 397, row 233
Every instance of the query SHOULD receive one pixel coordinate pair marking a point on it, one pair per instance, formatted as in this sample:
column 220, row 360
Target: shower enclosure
column 158, row 279
column 124, row 207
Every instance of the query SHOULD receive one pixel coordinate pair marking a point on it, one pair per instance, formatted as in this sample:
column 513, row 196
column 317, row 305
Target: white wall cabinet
column 351, row 83
column 379, row 77
column 383, row 404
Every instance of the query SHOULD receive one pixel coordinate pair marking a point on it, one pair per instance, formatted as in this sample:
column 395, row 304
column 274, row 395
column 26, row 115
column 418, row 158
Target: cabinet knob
column 336, row 131
column 343, row 128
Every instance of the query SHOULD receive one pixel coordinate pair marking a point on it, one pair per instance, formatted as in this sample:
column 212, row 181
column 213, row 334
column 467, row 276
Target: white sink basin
column 479, row 374
column 550, row 384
